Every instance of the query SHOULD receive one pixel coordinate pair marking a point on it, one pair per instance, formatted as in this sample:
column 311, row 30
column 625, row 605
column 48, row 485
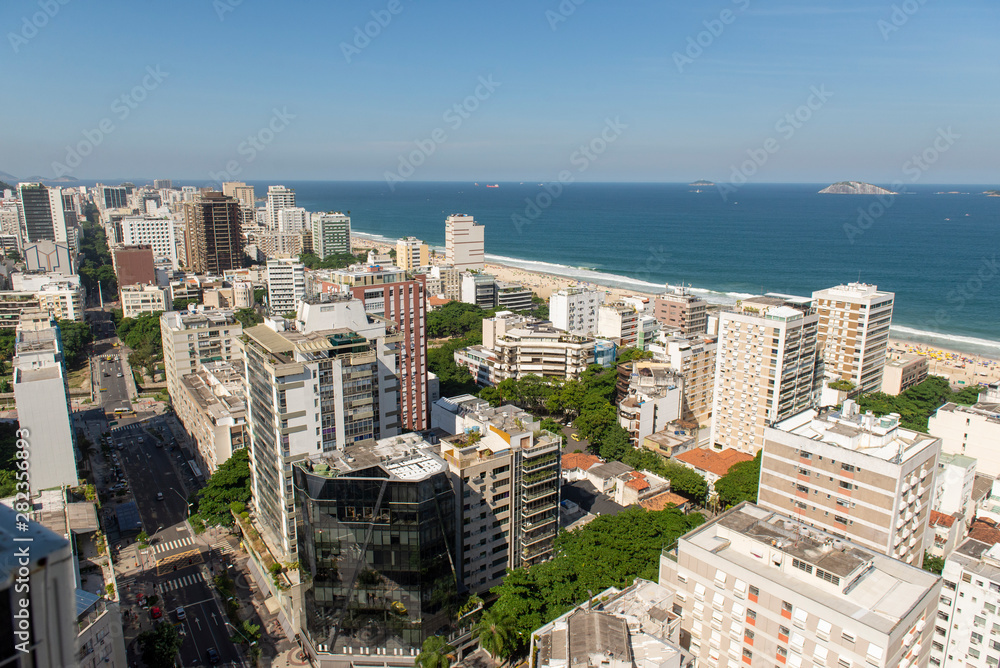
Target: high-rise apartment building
column 41, row 394
column 575, row 310
column 278, row 198
column 853, row 333
column 765, row 370
column 286, row 285
column 156, row 232
column 861, row 477
column 313, row 392
column 377, row 524
column 972, row 431
column 678, row 308
column 213, row 238
column 139, row 299
column 967, row 627
column 192, row 339
column 411, row 254
column 464, row 242
column 239, row 191
column 42, row 213
column 694, row 357
column 331, row 233
column 212, row 408
column 163, row 184
column 292, row 220
column 756, row 587
column 619, row 322
column 505, row 468
column 111, row 197
column 520, row 346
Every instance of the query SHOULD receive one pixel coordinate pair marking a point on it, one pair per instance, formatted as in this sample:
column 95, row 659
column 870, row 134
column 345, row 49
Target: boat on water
column 495, row 185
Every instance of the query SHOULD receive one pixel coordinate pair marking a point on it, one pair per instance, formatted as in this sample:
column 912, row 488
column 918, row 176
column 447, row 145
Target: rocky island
column 855, row 188
column 702, row 184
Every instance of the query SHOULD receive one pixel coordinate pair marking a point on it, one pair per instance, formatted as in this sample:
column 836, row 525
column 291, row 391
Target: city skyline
column 449, row 92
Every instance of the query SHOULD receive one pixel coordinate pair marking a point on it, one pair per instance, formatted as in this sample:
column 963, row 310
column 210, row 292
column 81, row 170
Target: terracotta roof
column 661, row 501
column 437, row 301
column 713, row 461
column 940, row 519
column 985, row 531
column 638, row 484
column 579, row 460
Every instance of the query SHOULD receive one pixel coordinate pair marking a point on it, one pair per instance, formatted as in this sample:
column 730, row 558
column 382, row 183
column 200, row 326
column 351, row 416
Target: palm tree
column 496, row 634
column 435, row 653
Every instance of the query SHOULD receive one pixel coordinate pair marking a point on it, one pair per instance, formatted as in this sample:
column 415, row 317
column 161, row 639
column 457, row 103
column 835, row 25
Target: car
column 121, row 375
column 155, row 612
column 104, row 389
column 575, row 437
column 106, row 374
column 140, row 439
column 212, row 655
column 159, row 496
column 180, row 613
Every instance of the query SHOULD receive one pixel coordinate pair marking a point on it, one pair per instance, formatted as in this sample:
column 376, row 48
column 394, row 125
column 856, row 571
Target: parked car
column 159, row 496
column 213, row 656
column 155, row 612
column 180, row 613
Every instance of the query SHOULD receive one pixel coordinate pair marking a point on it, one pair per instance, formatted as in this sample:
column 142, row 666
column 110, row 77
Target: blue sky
column 891, row 80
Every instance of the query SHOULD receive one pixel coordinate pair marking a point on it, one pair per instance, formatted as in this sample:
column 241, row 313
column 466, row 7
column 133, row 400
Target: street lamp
column 189, row 504
column 251, row 642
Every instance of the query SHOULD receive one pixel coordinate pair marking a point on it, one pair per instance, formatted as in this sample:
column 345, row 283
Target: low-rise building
column 711, row 464
column 139, row 299
column 676, row 438
column 653, row 401
column 954, row 484
column 946, row 532
column 903, row 373
column 523, row 346
column 513, row 296
column 619, row 322
column 973, row 430
column 211, row 407
column 757, row 587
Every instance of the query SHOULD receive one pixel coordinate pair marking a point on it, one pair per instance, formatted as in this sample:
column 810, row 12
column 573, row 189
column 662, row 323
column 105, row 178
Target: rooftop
column 939, row 519
column 663, row 500
column 407, row 457
column 713, row 461
column 579, row 460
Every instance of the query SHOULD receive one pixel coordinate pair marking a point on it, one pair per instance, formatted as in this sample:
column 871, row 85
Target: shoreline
column 960, row 366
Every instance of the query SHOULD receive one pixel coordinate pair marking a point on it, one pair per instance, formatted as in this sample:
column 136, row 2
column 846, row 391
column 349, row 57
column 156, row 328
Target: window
column 748, row 634
column 844, row 662
column 974, row 653
column 751, row 616
column 786, row 606
column 848, row 467
column 754, row 593
column 782, row 652
column 846, row 485
column 942, row 615
column 980, row 621
column 747, row 653
column 966, row 577
column 783, row 633
column 938, row 646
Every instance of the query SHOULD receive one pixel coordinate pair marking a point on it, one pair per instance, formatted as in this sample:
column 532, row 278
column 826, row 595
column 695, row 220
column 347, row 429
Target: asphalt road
column 150, row 473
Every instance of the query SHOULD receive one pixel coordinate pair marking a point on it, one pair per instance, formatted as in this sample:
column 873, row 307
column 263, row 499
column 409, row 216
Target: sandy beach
column 960, row 367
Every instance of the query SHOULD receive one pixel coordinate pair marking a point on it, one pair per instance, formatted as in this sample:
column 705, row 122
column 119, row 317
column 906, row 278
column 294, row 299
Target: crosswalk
column 133, row 426
column 223, row 547
column 185, row 581
column 110, row 358
column 125, row 582
column 173, row 545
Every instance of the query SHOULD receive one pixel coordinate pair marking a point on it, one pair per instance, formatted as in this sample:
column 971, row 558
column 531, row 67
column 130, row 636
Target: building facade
column 331, row 233
column 278, row 198
column 411, row 254
column 212, row 409
column 213, row 238
column 967, row 626
column 286, row 285
column 694, row 356
column 903, row 373
column 853, row 333
column 139, row 299
column 574, row 310
column 679, row 309
column 156, row 232
column 973, row 430
column 191, row 339
column 464, row 243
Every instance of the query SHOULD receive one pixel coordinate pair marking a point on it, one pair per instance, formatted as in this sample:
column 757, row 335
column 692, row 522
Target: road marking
column 185, row 581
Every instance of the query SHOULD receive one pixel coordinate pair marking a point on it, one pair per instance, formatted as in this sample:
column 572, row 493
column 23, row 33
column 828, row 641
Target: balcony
column 538, row 510
column 539, row 477
column 527, row 541
column 537, row 494
column 542, row 462
column 540, row 522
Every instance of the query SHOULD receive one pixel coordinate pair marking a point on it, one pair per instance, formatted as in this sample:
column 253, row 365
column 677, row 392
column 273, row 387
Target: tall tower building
column 292, row 220
column 193, row 339
column 464, row 242
column 678, row 308
column 213, row 234
column 858, row 476
column 331, row 233
column 278, row 198
column 765, row 370
column 41, row 394
column 240, row 191
column 286, row 285
column 411, row 253
column 111, row 197
column 853, row 333
column 575, row 310
column 42, row 213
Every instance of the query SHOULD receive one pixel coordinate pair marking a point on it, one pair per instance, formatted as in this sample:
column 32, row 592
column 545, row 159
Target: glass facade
column 379, row 551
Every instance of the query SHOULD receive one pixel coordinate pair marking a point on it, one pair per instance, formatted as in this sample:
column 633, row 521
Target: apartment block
column 765, row 370
column 292, row 220
column 212, row 408
column 48, row 256
column 677, row 308
column 522, row 346
column 63, row 299
column 278, row 198
column 860, row 477
column 464, row 242
column 286, row 285
column 759, row 588
column 967, row 626
column 213, row 238
column 513, row 296
column 973, row 430
column 156, row 232
column 694, row 357
column 479, row 289
column 42, row 213
column 443, row 280
column 649, row 397
column 411, row 254
column 853, row 333
column 618, row 322
column 41, row 394
column 954, row 485
column 574, row 310
column 331, row 233
column 239, row 191
column 134, row 265
column 903, row 373
column 193, row 338
column 312, row 392
column 505, row 469
column 139, row 299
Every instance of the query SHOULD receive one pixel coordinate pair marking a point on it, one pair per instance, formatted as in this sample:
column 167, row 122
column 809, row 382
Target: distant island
column 993, row 193
column 702, row 183
column 42, row 179
column 855, row 188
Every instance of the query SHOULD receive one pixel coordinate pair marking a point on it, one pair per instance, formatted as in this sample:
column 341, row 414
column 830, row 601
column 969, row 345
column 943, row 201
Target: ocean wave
column 953, row 341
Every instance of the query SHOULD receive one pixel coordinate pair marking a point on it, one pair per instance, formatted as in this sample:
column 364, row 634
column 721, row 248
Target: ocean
column 937, row 252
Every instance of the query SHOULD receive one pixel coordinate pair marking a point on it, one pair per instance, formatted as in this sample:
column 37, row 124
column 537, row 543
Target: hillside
column 855, row 188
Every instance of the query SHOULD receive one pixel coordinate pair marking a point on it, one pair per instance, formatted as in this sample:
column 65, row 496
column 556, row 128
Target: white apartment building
column 860, row 477
column 765, row 370
column 522, row 346
column 151, row 231
column 574, row 310
column 464, row 242
column 618, row 321
column 292, row 219
column 41, row 394
column 967, row 626
column 239, row 191
column 654, row 400
column 411, row 253
column 278, row 198
column 193, row 338
column 756, row 587
column 853, row 333
column 646, row 330
column 286, row 285
column 973, row 431
column 138, row 299
column 331, row 233
column 694, row 357
column 505, row 471
column 953, row 485
column 213, row 411
column 444, row 281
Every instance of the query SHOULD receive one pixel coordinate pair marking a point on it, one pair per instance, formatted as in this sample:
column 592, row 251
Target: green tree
column 182, row 304
column 933, row 564
column 740, row 483
column 160, row 646
column 248, row 317
column 336, row 261
column 496, row 633
column 75, row 336
column 143, row 539
column 435, row 653
column 918, row 403
column 631, row 354
column 230, row 483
